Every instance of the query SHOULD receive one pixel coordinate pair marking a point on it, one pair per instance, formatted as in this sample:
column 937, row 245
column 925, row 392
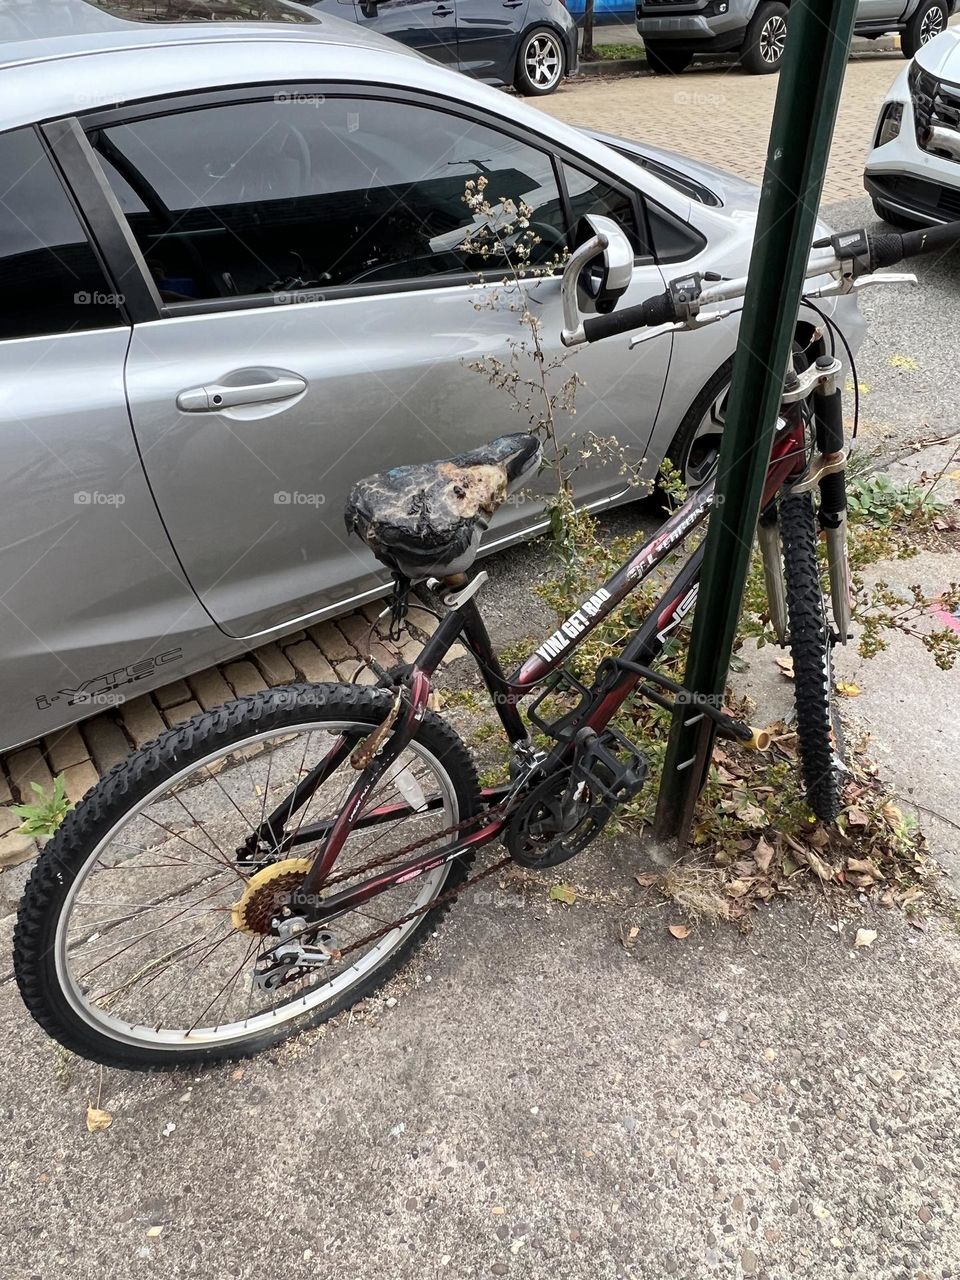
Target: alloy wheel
column 543, row 60
column 704, row 449
column 773, row 37
column 931, row 25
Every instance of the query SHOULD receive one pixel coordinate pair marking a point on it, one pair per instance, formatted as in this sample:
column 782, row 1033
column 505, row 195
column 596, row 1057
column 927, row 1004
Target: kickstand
column 399, row 604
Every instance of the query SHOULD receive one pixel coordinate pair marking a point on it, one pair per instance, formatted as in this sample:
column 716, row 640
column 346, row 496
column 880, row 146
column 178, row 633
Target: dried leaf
column 821, row 869
column 752, row 813
column 763, row 854
column 97, row 1119
column 785, row 663
column 865, row 938
column 679, row 930
column 738, row 888
column 646, row 878
column 847, row 689
column 866, row 867
column 892, row 814
column 856, row 817
column 564, row 893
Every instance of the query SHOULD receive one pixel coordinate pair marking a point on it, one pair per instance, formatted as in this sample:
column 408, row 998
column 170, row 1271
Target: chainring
column 555, row 821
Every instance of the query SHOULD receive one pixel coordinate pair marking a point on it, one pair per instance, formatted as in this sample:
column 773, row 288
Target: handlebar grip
column 885, row 250
column 656, row 310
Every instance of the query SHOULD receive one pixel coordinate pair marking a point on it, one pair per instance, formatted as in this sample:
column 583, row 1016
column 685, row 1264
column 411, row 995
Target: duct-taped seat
column 427, row 520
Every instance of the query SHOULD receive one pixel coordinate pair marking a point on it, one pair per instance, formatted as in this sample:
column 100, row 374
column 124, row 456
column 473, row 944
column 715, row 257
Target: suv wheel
column 540, row 63
column 666, row 62
column 928, row 21
column 896, row 219
column 766, row 40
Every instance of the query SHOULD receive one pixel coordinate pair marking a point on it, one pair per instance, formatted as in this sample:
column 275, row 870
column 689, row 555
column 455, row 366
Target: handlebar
column 855, row 254
column 656, row 310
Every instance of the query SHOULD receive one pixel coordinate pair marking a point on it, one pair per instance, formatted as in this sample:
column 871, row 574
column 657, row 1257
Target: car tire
column 894, row 217
column 694, row 448
column 541, row 63
column 929, row 20
column 762, row 50
column 666, row 62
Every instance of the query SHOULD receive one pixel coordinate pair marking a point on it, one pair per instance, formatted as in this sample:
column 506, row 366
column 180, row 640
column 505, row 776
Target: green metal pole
column 807, row 98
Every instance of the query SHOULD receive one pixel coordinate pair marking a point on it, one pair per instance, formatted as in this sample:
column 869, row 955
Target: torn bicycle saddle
column 427, row 520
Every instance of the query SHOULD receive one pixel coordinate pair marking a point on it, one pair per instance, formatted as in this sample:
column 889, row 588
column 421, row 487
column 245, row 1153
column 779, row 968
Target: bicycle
column 269, row 863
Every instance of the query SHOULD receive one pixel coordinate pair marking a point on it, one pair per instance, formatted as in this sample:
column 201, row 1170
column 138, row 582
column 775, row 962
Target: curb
column 609, row 67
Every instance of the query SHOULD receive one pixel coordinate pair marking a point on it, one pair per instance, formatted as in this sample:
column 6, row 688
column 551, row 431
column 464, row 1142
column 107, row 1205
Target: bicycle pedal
column 612, row 766
column 567, row 697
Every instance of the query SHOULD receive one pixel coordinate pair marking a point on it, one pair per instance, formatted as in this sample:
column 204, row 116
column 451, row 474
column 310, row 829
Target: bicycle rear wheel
column 811, row 643
column 139, row 936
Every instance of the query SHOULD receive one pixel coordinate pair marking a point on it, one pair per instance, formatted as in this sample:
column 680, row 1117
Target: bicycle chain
column 441, row 900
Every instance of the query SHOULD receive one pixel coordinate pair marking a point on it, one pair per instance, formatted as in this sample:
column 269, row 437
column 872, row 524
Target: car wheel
column 666, row 62
column 694, row 450
column 766, row 40
column 894, row 217
column 541, row 63
column 928, row 21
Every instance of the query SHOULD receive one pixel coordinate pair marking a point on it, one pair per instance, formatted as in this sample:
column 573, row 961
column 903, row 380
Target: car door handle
column 442, row 11
column 215, row 396
column 513, row 4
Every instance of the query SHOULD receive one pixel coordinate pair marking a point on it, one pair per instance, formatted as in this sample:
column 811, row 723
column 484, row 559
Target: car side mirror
column 597, row 275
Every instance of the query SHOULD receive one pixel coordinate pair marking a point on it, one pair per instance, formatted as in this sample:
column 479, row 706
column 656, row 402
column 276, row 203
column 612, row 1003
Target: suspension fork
column 828, row 421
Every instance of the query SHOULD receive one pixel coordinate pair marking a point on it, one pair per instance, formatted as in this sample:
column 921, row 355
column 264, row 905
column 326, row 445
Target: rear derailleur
column 293, row 957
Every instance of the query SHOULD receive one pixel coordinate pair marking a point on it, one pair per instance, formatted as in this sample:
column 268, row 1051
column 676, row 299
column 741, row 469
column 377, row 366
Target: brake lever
column 853, row 284
column 698, row 321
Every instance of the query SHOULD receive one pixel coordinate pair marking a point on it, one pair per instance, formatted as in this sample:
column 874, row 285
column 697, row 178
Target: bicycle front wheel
column 139, row 937
column 811, row 642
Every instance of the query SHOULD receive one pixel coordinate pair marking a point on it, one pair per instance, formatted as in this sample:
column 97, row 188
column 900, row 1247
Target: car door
column 429, row 26
column 873, row 11
column 91, row 597
column 320, row 325
column 487, row 34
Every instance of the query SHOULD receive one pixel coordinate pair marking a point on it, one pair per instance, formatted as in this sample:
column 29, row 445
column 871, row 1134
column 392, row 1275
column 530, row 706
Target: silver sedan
column 234, row 282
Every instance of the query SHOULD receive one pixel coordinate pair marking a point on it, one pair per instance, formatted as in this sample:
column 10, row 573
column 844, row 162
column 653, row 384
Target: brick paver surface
column 718, row 115
column 723, row 116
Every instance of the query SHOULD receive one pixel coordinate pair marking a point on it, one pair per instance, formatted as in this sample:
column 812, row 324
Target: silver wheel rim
column 773, row 37
column 543, row 60
column 931, row 24
column 139, row 1034
column 704, row 448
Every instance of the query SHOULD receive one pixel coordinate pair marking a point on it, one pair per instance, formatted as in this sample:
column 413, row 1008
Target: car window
column 50, row 280
column 306, row 192
column 672, row 240
column 588, row 194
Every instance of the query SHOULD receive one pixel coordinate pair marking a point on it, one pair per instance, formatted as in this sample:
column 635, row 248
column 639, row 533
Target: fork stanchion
column 811, row 78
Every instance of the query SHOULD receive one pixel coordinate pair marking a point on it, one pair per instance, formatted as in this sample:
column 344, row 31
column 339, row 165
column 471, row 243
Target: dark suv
column 756, row 30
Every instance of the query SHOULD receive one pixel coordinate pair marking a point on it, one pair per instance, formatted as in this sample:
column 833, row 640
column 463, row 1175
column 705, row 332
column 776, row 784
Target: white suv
column 913, row 170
